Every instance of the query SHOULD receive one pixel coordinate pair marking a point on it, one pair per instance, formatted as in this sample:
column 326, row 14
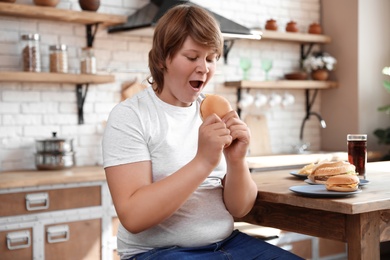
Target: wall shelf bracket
column 305, row 54
column 227, row 45
column 81, row 94
column 91, row 30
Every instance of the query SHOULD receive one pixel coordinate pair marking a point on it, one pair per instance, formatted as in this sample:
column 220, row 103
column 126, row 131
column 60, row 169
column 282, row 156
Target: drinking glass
column 357, row 152
column 245, row 65
column 266, row 65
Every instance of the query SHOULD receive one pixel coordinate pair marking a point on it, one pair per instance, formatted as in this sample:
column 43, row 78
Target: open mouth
column 197, row 84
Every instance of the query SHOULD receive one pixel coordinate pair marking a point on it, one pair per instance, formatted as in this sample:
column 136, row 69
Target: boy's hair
column 170, row 33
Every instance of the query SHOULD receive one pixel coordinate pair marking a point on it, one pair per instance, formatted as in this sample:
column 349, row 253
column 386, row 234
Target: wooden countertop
column 28, row 178
column 283, row 161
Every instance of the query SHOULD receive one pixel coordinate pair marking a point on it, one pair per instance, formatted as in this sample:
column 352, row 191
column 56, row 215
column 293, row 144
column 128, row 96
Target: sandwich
column 214, row 104
column 344, row 182
column 323, row 171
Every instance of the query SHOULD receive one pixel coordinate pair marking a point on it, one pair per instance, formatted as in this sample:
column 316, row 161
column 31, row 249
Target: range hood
column 142, row 22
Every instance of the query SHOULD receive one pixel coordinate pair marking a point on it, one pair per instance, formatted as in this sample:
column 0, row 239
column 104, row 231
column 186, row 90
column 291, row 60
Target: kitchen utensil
column 54, row 145
column 50, row 161
column 301, row 75
column 46, row 2
column 54, row 153
column 260, row 139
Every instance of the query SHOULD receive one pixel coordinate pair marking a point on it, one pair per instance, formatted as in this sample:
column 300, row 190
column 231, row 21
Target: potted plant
column 383, row 135
column 319, row 64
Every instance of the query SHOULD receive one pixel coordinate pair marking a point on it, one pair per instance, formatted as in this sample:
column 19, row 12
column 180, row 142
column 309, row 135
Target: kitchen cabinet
column 53, row 222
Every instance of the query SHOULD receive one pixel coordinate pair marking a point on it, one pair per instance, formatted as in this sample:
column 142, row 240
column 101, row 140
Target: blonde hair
column 170, row 33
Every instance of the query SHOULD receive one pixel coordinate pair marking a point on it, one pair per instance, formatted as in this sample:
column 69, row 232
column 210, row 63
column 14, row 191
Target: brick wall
column 30, row 111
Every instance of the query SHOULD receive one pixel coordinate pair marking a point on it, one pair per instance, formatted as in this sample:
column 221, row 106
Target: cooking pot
column 48, row 161
column 54, row 145
column 54, row 153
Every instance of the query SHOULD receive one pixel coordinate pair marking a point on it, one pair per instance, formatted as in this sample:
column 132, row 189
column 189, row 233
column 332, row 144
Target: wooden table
column 361, row 220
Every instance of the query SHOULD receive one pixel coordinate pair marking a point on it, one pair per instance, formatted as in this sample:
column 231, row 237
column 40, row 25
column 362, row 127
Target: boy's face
column 188, row 73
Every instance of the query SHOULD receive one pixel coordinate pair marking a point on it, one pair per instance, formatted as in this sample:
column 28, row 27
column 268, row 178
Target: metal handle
column 37, row 201
column 18, row 240
column 56, row 234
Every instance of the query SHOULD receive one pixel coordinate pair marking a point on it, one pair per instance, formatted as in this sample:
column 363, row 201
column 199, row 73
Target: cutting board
column 260, row 139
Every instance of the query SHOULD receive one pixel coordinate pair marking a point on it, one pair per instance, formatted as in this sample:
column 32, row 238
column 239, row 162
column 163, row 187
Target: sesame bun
column 323, row 171
column 214, row 104
column 345, row 182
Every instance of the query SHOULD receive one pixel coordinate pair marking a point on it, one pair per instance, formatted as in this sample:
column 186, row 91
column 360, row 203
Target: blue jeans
column 238, row 246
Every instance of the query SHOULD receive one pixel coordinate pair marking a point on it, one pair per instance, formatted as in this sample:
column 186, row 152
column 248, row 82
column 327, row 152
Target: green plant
column 383, row 135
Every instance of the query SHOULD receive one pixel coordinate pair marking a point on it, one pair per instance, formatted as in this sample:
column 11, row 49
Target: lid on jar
column 58, row 47
column 356, row 137
column 31, row 36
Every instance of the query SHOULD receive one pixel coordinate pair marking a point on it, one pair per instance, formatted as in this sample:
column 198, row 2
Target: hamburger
column 344, row 182
column 214, row 104
column 322, row 172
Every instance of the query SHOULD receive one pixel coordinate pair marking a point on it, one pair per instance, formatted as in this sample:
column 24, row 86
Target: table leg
column 363, row 236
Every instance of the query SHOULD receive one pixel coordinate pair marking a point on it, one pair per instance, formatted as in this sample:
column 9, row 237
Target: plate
column 320, row 191
column 296, row 75
column 362, row 182
column 300, row 176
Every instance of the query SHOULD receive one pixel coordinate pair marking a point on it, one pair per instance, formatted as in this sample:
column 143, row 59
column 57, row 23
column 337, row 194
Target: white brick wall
column 31, row 111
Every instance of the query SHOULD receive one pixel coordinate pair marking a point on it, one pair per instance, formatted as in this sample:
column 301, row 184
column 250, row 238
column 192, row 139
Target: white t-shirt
column 145, row 128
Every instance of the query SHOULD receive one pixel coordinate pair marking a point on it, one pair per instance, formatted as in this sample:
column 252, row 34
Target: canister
column 88, row 61
column 58, row 58
column 31, row 54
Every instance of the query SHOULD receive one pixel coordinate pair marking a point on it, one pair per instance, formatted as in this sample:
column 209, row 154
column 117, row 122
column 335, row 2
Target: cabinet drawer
column 16, row 244
column 73, row 240
column 12, row 204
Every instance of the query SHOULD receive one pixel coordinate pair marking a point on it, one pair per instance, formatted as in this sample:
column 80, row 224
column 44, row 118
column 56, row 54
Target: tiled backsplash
column 32, row 110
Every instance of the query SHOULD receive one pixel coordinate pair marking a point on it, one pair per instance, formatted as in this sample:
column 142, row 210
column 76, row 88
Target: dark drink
column 357, row 153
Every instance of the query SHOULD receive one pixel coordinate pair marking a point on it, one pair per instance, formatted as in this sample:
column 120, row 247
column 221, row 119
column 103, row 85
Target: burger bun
column 214, row 104
column 325, row 170
column 344, row 182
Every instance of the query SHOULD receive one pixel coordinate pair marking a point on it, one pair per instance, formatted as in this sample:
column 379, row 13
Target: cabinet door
column 13, row 204
column 16, row 244
column 73, row 240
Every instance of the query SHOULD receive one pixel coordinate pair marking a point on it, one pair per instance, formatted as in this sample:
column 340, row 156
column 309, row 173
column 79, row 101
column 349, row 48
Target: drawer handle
column 56, row 234
column 18, row 240
column 37, row 201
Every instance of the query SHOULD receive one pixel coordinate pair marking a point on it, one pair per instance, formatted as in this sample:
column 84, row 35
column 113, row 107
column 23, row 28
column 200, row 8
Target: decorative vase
column 315, row 28
column 271, row 24
column 89, row 5
column 321, row 74
column 292, row 27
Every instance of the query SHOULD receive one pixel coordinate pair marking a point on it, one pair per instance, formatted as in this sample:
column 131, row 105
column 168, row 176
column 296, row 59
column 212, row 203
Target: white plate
column 362, row 182
column 320, row 191
column 300, row 176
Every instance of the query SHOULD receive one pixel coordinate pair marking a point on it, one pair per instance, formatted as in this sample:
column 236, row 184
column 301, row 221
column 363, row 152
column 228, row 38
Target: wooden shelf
column 44, row 77
column 282, row 84
column 56, row 14
column 294, row 37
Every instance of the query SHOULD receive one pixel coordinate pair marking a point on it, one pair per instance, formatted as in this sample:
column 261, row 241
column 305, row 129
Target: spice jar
column 58, row 58
column 31, row 54
column 88, row 61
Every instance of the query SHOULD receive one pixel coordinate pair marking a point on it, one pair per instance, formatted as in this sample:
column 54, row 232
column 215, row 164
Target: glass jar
column 58, row 58
column 88, row 61
column 31, row 53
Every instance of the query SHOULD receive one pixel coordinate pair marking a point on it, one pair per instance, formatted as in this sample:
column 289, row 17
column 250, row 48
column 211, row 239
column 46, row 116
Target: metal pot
column 54, row 145
column 49, row 161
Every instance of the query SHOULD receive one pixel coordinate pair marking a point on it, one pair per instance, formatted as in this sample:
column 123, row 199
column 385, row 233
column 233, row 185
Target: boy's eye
column 192, row 58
